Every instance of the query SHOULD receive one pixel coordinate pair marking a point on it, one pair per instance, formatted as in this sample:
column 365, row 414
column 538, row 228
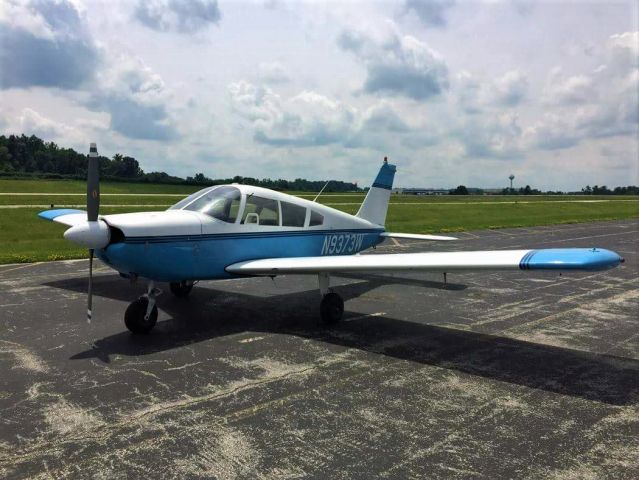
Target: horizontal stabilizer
column 415, row 236
column 551, row 259
column 65, row 216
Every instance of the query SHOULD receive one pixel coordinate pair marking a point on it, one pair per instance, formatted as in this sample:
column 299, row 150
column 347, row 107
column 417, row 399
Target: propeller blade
column 93, row 184
column 90, row 299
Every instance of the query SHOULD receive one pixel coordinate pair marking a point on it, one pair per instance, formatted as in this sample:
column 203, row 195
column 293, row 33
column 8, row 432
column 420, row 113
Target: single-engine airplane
column 233, row 231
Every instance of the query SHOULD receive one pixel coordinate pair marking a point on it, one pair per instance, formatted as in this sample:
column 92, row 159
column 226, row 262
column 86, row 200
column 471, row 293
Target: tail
column 375, row 204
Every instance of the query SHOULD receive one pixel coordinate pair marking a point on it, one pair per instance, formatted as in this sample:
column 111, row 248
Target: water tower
column 511, row 177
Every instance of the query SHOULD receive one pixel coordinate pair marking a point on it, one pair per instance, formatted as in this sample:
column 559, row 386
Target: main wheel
column 181, row 289
column 331, row 308
column 134, row 316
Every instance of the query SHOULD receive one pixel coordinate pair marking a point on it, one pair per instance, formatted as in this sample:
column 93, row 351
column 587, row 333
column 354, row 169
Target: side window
column 292, row 215
column 265, row 210
column 316, row 219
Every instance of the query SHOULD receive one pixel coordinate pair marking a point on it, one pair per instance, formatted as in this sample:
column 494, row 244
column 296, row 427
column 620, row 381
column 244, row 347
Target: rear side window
column 316, row 219
column 292, row 215
column 265, row 211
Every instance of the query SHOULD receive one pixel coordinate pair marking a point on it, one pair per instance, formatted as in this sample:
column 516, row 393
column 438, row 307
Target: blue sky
column 453, row 92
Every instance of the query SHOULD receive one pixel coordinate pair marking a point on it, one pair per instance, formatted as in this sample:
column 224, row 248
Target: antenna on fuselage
column 320, row 192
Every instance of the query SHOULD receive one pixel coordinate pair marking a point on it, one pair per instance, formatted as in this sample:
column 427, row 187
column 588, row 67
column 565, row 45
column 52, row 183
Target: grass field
column 26, row 238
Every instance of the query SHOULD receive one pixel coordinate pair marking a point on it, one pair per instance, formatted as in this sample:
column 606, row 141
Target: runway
column 500, row 375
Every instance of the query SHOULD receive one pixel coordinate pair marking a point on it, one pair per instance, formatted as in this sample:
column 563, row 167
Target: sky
column 453, row 92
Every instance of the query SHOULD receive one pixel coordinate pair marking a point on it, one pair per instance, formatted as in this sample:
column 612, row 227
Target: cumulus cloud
column 136, row 98
column 509, row 89
column 496, row 137
column 273, row 73
column 182, row 16
column 475, row 94
column 44, row 44
column 569, row 90
column 31, row 122
column 598, row 104
column 309, row 119
column 397, row 64
column 383, row 118
column 430, row 12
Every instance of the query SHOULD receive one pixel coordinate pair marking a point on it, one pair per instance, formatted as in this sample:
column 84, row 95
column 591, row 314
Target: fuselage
column 200, row 236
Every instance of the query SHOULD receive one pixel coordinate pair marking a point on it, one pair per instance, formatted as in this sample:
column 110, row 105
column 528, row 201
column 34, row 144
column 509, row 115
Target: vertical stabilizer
column 375, row 204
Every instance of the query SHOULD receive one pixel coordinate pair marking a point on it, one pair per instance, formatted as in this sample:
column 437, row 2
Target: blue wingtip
column 570, row 259
column 51, row 214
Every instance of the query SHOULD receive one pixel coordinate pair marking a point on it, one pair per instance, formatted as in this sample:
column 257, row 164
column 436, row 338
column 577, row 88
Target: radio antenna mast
column 320, row 192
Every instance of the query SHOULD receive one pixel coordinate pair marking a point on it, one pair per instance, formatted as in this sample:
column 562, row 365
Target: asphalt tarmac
column 499, row 375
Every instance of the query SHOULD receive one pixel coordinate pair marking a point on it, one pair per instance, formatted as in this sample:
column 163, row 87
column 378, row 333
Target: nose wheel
column 142, row 314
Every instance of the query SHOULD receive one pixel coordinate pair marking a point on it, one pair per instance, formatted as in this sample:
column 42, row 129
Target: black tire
column 180, row 289
column 134, row 316
column 331, row 308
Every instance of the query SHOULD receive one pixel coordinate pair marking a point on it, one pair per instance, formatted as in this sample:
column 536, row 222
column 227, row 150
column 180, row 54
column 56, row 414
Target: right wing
column 548, row 259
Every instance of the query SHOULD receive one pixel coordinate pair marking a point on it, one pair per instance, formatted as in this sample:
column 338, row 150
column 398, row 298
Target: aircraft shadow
column 603, row 378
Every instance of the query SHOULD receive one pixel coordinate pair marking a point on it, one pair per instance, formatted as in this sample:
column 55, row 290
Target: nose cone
column 89, row 234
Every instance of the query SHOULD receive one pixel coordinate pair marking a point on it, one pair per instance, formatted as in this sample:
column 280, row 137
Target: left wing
column 548, row 259
column 65, row 216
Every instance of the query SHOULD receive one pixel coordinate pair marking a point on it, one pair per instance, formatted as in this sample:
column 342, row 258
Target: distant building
column 421, row 191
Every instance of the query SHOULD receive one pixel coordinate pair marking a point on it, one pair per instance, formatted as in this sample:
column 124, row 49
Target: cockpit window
column 222, row 203
column 185, row 201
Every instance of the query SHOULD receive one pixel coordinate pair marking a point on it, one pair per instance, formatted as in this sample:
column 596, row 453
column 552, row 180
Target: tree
column 460, row 190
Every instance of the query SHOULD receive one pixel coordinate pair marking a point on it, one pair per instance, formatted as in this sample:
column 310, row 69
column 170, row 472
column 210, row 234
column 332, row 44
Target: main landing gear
column 332, row 305
column 142, row 314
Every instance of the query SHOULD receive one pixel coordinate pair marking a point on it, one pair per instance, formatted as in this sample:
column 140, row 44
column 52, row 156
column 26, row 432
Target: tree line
column 527, row 190
column 30, row 156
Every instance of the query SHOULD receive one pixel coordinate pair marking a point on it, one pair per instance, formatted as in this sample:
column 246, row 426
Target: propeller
column 93, row 208
column 94, row 233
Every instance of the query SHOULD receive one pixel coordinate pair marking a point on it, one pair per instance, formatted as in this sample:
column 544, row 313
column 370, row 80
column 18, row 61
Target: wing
column 66, row 216
column 415, row 236
column 549, row 259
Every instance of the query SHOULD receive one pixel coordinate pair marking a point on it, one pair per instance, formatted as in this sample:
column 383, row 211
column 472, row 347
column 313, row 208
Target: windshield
column 185, row 201
column 222, row 203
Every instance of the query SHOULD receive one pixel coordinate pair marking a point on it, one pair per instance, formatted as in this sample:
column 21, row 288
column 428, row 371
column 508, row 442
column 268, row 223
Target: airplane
column 235, row 231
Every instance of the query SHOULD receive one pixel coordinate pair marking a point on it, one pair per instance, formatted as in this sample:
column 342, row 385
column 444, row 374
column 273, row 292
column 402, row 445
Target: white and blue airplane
column 234, row 231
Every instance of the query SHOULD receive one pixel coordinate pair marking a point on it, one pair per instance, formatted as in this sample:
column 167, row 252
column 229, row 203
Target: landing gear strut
column 332, row 305
column 142, row 314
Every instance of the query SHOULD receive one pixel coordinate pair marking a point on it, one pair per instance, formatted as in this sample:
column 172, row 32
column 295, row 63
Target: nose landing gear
column 142, row 314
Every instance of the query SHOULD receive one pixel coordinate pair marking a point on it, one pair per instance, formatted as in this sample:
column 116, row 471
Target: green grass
column 26, row 238
column 79, row 186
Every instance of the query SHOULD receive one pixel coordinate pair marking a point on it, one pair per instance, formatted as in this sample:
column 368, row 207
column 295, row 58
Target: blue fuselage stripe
column 202, row 257
column 245, row 235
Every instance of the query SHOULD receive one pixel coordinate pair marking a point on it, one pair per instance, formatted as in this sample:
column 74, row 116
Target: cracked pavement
column 499, row 375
